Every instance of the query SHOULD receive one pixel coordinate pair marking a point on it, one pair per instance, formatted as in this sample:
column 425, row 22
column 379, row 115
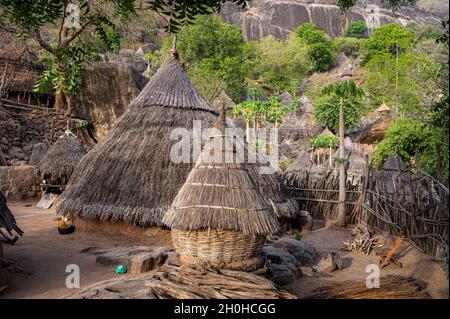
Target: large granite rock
column 279, row 18
column 108, row 89
column 284, row 258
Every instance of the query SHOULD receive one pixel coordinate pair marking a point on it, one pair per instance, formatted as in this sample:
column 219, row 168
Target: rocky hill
column 280, row 17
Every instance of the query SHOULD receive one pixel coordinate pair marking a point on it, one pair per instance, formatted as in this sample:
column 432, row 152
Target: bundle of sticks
column 186, row 282
column 363, row 242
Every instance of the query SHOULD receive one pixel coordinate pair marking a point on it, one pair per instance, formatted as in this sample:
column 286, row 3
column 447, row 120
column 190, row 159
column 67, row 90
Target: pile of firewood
column 186, row 282
column 363, row 242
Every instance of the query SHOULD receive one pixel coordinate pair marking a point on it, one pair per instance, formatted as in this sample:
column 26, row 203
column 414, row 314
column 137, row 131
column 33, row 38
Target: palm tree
column 344, row 90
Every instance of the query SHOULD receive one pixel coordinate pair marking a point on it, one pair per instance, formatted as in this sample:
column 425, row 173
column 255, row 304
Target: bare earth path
column 39, row 259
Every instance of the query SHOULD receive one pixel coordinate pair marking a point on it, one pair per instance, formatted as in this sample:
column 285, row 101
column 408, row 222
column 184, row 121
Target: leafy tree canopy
column 388, row 38
column 326, row 107
column 357, row 29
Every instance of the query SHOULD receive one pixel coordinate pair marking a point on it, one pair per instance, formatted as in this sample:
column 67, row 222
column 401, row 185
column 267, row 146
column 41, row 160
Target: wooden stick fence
column 398, row 201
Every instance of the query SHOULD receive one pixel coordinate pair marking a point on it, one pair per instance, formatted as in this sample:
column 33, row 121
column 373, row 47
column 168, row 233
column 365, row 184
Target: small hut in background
column 223, row 100
column 221, row 217
column 302, row 171
column 356, row 163
column 129, row 178
column 305, row 104
column 8, row 226
column 60, row 161
column 19, row 70
column 286, row 98
column 384, row 110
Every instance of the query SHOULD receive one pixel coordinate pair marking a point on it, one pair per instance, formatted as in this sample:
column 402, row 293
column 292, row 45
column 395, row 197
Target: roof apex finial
column 173, row 52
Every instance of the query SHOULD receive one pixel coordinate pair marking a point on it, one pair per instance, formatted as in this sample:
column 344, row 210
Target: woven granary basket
column 219, row 248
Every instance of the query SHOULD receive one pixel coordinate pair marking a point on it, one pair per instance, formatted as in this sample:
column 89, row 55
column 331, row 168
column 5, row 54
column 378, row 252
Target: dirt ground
column 38, row 260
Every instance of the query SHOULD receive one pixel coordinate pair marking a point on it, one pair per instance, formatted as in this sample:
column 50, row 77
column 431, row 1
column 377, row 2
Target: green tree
column 357, row 29
column 416, row 82
column 326, row 111
column 387, row 39
column 344, row 91
column 213, row 49
column 279, row 62
column 321, row 51
column 67, row 52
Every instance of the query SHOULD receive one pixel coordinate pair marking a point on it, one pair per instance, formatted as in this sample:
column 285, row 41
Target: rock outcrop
column 279, row 18
column 108, row 89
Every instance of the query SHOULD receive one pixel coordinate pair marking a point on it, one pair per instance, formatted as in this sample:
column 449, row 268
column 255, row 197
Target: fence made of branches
column 392, row 199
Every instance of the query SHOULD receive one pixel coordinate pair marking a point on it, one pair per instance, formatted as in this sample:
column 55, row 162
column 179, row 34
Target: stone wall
column 19, row 182
column 21, row 129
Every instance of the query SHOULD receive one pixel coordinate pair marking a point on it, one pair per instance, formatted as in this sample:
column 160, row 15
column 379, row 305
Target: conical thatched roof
column 383, row 108
column 129, row 176
column 222, row 193
column 286, row 98
column 223, row 99
column 274, row 188
column 21, row 65
column 307, row 122
column 301, row 170
column 326, row 132
column 305, row 104
column 8, row 224
column 61, row 159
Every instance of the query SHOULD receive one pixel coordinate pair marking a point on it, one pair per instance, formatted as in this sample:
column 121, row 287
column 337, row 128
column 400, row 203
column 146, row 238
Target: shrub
column 357, row 29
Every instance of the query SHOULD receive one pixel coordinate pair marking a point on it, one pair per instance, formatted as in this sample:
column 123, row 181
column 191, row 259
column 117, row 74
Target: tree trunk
column 341, row 209
column 60, row 102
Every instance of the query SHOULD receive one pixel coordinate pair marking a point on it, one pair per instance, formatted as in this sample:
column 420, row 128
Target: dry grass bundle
column 7, row 221
column 391, row 287
column 129, row 176
column 61, row 159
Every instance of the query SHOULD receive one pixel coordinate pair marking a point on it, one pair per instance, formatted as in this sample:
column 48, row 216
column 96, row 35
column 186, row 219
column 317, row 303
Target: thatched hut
column 305, row 104
column 19, row 69
column 8, row 225
column 384, row 110
column 286, row 98
column 220, row 216
column 129, row 177
column 301, row 171
column 61, row 159
column 223, row 100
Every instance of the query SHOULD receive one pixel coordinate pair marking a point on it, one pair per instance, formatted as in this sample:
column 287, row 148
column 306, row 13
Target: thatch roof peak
column 225, row 99
column 286, row 98
column 171, row 87
column 326, row 132
column 383, row 108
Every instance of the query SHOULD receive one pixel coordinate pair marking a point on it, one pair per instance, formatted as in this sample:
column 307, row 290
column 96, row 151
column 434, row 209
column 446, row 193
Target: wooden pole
column 341, row 208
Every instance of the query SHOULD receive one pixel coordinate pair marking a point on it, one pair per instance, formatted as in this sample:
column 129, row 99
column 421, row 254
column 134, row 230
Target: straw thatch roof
column 129, row 176
column 21, row 65
column 222, row 193
column 223, row 99
column 38, row 152
column 274, row 188
column 383, row 109
column 61, row 159
column 307, row 122
column 305, row 104
column 326, row 132
column 286, row 98
column 301, row 170
column 8, row 223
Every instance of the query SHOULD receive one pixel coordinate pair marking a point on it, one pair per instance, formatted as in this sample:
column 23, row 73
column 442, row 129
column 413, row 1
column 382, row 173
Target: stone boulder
column 330, row 263
column 303, row 253
column 137, row 259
